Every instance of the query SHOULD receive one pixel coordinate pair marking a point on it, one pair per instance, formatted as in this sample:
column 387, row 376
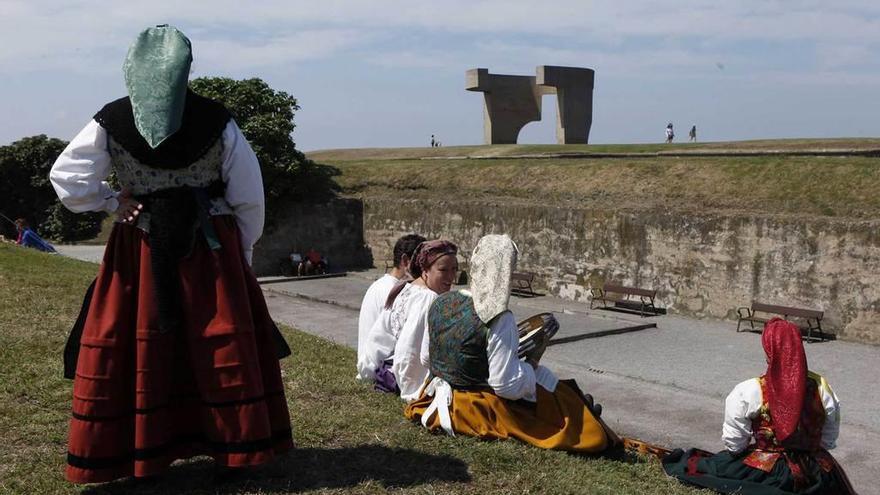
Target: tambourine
column 534, row 334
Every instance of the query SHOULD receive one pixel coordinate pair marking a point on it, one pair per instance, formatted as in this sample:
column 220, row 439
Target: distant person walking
column 670, row 133
column 693, row 134
column 433, row 141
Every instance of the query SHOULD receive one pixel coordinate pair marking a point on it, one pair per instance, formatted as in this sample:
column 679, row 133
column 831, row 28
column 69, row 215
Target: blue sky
column 391, row 73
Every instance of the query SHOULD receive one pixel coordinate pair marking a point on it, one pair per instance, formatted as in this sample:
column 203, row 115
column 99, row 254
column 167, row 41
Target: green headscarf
column 156, row 75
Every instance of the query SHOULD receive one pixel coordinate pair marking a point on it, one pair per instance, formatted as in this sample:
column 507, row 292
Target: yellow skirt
column 558, row 420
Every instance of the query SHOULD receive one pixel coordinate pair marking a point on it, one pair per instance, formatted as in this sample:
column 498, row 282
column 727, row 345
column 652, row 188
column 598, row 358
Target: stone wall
column 702, row 266
column 335, row 229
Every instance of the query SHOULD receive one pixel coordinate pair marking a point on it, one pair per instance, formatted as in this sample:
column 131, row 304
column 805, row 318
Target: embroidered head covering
column 427, row 253
column 786, row 377
column 156, row 74
column 422, row 258
column 492, row 264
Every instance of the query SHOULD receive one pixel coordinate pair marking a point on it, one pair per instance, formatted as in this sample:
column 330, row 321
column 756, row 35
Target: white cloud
column 221, row 54
column 762, row 43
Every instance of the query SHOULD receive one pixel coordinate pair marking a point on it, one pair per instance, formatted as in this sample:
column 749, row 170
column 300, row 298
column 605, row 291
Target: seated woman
column 479, row 387
column 391, row 351
column 29, row 238
column 792, row 415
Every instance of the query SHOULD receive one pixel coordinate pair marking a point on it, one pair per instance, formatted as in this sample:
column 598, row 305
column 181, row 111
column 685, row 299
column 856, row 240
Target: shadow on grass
column 302, row 470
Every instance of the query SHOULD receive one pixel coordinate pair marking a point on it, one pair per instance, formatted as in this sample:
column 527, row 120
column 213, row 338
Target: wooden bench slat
column 635, row 291
column 787, row 310
column 523, row 281
column 813, row 317
column 618, row 294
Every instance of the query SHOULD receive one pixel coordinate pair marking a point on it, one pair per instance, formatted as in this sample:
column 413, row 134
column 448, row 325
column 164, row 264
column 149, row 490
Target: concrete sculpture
column 511, row 102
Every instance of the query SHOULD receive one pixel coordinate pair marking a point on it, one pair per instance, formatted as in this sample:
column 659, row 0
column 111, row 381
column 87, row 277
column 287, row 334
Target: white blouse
column 371, row 308
column 743, row 403
column 398, row 334
column 79, row 174
column 510, row 377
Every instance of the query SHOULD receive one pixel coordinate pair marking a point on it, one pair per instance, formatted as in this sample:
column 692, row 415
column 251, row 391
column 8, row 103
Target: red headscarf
column 786, row 376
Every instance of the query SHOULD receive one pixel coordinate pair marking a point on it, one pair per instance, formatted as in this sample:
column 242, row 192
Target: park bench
column 522, row 283
column 619, row 296
column 812, row 318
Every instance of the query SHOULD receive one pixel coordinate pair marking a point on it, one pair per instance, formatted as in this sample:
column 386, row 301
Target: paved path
column 665, row 385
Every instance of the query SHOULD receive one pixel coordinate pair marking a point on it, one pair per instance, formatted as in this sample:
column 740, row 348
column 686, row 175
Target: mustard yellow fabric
column 558, row 420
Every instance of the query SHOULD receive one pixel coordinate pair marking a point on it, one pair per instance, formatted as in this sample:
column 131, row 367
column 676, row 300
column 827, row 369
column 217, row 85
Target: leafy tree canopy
column 25, row 191
column 265, row 116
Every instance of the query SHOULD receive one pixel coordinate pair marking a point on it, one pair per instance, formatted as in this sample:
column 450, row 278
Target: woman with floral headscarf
column 793, row 417
column 392, row 351
column 175, row 353
column 479, row 387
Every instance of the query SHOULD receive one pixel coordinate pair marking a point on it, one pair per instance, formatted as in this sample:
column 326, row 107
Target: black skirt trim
column 150, row 410
column 84, row 462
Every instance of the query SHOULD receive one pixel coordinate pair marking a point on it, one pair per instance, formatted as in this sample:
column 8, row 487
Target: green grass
column 836, row 187
column 846, row 187
column 350, row 439
column 502, row 150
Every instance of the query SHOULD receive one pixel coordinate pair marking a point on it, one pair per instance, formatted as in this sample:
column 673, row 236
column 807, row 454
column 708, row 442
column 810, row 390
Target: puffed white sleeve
column 509, row 377
column 831, row 429
column 740, row 407
column 79, row 172
column 378, row 347
column 425, row 351
column 244, row 186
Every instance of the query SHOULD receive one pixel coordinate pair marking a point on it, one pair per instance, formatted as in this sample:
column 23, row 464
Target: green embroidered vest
column 458, row 341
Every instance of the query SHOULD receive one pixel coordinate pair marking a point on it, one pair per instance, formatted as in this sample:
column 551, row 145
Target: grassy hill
column 773, row 177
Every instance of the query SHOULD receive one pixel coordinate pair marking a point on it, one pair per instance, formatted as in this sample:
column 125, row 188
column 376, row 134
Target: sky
column 391, row 73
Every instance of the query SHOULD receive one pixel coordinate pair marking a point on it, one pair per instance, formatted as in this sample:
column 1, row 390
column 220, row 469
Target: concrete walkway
column 665, row 385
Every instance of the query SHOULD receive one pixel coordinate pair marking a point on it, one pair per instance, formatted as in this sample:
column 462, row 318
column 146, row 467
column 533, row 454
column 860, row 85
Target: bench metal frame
column 811, row 317
column 645, row 301
column 522, row 282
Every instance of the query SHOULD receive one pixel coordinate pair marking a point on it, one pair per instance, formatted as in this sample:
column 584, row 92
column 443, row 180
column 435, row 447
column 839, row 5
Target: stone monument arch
column 511, row 102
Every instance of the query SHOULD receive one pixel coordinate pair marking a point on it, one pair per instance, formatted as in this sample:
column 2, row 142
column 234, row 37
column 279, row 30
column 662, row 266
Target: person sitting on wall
column 377, row 294
column 479, row 386
column 392, row 349
column 777, row 429
column 29, row 238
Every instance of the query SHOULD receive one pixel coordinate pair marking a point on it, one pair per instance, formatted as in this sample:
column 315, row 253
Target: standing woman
column 176, row 356
column 777, row 429
column 392, row 351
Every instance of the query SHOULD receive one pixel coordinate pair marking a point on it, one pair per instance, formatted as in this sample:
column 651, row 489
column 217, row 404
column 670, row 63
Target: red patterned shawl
column 786, row 375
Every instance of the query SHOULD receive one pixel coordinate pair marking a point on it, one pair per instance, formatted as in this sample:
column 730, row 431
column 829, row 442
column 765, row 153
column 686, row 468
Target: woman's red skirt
column 142, row 399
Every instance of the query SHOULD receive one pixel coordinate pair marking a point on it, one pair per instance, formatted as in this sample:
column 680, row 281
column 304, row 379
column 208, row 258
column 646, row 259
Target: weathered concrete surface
column 335, row 229
column 511, row 102
column 664, row 385
column 703, row 267
column 573, row 87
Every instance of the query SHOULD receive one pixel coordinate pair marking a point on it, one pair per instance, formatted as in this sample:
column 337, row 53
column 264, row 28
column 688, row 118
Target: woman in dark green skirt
column 793, row 417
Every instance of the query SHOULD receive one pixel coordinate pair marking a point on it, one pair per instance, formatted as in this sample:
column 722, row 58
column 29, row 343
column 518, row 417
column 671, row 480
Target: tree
column 265, row 117
column 25, row 191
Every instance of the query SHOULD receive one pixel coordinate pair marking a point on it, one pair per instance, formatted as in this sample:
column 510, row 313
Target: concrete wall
column 335, row 229
column 702, row 266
